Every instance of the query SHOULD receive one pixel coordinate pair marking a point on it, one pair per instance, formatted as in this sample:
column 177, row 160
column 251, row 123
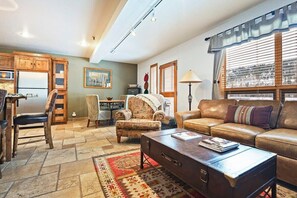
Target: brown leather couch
column 281, row 138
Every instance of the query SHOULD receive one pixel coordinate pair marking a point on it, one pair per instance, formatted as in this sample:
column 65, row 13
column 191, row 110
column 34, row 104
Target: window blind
column 289, row 57
column 251, row 64
column 251, row 96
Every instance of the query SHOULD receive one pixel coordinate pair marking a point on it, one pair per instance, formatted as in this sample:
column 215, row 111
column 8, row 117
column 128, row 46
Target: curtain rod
column 271, row 12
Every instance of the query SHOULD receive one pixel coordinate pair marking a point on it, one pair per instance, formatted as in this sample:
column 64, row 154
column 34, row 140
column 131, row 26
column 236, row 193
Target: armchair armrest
column 159, row 115
column 186, row 115
column 124, row 114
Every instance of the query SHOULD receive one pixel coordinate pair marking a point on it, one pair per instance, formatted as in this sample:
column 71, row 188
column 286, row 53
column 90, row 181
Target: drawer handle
column 203, row 176
column 170, row 159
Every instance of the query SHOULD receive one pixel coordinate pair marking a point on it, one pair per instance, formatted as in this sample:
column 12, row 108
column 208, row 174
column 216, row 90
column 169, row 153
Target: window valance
column 278, row 20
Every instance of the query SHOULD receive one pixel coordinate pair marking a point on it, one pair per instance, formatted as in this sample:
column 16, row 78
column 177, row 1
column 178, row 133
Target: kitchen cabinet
column 60, row 110
column 60, row 79
column 6, row 61
column 60, row 73
column 32, row 61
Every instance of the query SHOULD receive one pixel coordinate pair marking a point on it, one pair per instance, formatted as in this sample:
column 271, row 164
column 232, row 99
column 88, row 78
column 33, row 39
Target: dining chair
column 45, row 118
column 3, row 126
column 95, row 114
column 126, row 98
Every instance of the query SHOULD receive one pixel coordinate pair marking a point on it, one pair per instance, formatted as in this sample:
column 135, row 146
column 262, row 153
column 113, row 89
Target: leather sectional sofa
column 280, row 138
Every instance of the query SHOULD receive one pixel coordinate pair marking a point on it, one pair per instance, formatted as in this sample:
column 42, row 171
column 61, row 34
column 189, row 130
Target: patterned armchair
column 144, row 114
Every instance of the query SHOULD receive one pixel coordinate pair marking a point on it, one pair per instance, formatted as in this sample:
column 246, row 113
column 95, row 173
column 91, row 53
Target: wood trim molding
column 152, row 66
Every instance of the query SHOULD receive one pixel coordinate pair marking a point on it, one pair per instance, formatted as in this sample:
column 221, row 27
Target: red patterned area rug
column 120, row 176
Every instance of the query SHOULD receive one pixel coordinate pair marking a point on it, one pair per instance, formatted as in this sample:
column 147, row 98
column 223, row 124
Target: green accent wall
column 122, row 75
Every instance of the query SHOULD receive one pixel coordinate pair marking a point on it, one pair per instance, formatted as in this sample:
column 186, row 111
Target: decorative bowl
column 109, row 98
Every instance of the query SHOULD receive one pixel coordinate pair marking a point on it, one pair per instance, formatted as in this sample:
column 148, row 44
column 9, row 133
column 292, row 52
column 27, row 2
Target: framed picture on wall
column 97, row 78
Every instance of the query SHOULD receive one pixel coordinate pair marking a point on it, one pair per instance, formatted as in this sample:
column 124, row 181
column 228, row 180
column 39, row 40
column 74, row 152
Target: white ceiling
column 59, row 26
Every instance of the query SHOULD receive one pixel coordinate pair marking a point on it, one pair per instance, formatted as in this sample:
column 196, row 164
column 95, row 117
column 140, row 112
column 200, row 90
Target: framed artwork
column 97, row 78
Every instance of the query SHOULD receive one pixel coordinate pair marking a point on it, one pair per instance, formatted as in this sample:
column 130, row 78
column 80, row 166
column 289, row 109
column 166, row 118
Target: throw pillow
column 252, row 115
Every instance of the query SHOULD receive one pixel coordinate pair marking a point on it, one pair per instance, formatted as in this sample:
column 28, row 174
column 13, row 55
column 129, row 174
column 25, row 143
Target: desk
column 10, row 99
column 112, row 105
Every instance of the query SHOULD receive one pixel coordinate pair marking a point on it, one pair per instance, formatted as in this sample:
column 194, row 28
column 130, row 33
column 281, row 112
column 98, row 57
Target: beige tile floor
column 65, row 171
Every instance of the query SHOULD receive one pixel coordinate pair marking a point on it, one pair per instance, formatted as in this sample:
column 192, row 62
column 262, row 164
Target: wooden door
column 168, row 84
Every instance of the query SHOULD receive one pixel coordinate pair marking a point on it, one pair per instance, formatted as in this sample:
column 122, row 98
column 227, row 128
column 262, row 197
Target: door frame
column 152, row 66
column 169, row 94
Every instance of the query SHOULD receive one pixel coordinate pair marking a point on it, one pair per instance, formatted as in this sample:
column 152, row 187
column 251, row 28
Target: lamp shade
column 190, row 77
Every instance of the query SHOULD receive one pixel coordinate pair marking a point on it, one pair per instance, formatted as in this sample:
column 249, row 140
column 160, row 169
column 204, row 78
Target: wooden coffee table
column 242, row 172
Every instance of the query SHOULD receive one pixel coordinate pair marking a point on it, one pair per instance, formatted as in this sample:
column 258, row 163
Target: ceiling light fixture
column 25, row 34
column 152, row 9
column 8, row 5
column 153, row 19
column 133, row 33
column 84, row 43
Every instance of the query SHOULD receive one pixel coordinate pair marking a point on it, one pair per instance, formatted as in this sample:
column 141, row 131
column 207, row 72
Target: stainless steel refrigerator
column 34, row 85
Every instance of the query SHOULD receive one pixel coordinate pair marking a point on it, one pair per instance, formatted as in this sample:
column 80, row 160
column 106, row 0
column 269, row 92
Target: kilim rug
column 120, row 176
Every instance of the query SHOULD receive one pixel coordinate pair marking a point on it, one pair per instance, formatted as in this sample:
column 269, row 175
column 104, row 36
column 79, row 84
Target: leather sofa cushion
column 202, row 125
column 284, row 169
column 138, row 124
column 281, row 141
column 275, row 112
column 215, row 108
column 244, row 134
column 288, row 118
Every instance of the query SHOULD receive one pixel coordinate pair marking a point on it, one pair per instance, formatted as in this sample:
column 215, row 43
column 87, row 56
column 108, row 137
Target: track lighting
column 132, row 31
column 153, row 19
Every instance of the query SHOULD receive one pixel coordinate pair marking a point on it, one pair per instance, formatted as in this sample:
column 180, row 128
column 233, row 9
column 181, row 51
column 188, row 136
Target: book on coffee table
column 186, row 135
column 218, row 144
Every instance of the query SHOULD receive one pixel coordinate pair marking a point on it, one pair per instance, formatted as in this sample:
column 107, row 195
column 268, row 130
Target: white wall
column 193, row 55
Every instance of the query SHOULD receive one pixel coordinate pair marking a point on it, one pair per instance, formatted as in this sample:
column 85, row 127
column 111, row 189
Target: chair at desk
column 3, row 125
column 94, row 112
column 126, row 98
column 45, row 118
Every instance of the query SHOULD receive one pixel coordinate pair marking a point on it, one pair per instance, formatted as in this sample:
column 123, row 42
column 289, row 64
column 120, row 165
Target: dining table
column 10, row 99
column 112, row 105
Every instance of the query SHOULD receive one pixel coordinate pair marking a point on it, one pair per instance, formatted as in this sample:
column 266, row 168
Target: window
column 289, row 57
column 289, row 95
column 251, row 64
column 262, row 69
column 251, row 96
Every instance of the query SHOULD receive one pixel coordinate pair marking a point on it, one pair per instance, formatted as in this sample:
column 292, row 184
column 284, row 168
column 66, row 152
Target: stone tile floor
column 65, row 171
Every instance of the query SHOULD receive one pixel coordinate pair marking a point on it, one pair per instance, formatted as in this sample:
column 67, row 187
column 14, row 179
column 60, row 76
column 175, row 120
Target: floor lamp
column 190, row 77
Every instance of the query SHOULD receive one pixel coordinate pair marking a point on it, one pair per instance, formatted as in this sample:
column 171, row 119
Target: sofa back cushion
column 288, row 116
column 275, row 111
column 139, row 108
column 251, row 115
column 215, row 108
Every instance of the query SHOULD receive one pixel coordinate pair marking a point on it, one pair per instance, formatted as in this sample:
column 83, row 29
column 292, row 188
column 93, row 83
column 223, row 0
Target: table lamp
column 190, row 77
